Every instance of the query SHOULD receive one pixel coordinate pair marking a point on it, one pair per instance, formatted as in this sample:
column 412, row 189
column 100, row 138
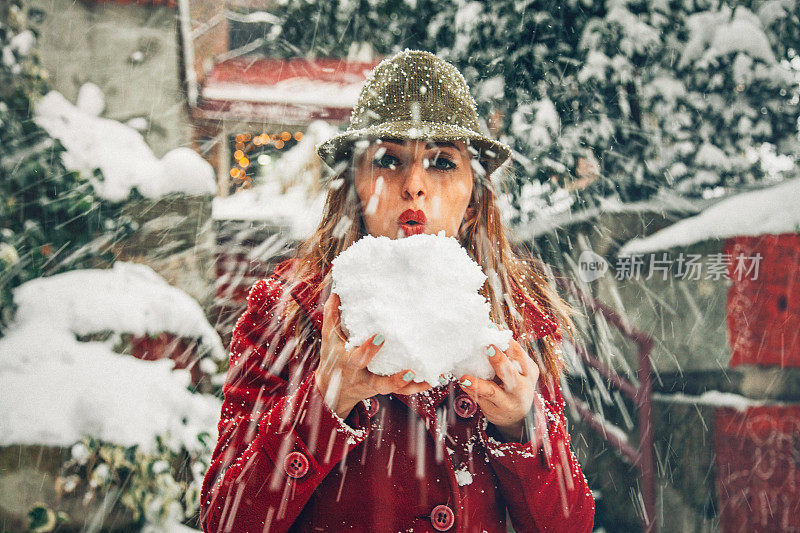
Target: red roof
column 269, row 71
column 289, row 91
column 167, row 3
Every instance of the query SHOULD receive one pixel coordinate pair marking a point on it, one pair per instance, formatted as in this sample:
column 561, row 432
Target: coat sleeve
column 278, row 439
column 543, row 491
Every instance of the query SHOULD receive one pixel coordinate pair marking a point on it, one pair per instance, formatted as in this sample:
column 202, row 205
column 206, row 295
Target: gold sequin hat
column 415, row 95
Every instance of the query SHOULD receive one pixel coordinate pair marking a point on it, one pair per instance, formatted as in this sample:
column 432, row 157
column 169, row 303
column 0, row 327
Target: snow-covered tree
column 50, row 219
column 687, row 95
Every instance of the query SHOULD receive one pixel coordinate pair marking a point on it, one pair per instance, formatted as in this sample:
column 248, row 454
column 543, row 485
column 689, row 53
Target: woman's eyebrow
column 428, row 146
column 441, row 144
column 386, row 143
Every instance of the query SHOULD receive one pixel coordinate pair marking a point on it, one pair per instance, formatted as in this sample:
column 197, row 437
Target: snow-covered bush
column 125, row 162
column 158, row 486
column 141, row 429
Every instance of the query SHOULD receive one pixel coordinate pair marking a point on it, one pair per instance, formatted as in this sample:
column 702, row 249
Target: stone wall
column 176, row 239
column 129, row 51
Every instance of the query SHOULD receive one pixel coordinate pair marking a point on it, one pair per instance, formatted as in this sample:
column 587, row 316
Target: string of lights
column 248, row 145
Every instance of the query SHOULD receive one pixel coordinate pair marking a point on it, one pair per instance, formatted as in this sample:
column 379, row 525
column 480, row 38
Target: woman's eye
column 386, row 161
column 441, row 162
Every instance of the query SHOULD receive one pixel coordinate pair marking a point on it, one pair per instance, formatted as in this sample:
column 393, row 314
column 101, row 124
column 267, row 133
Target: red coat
column 285, row 461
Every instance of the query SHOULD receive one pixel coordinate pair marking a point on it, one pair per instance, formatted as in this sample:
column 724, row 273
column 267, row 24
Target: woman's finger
column 483, row 390
column 330, row 313
column 515, row 350
column 502, row 367
column 360, row 357
column 517, row 353
column 392, row 383
column 331, row 309
column 413, row 388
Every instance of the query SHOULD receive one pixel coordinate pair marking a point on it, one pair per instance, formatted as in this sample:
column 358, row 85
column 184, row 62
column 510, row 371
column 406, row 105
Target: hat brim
column 491, row 153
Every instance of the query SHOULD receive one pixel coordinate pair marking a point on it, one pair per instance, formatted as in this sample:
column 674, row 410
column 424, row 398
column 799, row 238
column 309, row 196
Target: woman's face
column 412, row 187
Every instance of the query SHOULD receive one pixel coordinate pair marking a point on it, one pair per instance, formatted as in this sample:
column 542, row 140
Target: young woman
column 310, row 440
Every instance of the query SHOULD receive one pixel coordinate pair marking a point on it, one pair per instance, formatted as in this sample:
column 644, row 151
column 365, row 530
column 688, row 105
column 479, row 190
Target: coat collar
column 426, row 402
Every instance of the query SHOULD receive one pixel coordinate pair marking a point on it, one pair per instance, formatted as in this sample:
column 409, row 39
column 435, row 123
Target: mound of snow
column 129, row 298
column 57, row 389
column 421, row 293
column 119, row 151
column 91, row 99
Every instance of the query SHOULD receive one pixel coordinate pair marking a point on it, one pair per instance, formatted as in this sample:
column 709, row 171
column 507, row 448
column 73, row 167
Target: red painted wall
column 758, row 468
column 167, row 3
column 764, row 313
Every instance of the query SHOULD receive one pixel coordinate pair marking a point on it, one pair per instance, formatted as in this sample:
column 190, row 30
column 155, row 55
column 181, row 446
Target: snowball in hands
column 421, row 293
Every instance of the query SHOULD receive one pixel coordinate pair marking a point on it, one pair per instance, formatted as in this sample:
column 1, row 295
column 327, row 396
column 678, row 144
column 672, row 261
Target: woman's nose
column 414, row 185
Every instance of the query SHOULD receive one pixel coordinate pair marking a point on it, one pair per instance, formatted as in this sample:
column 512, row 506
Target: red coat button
column 465, row 406
column 295, row 465
column 371, row 405
column 442, row 518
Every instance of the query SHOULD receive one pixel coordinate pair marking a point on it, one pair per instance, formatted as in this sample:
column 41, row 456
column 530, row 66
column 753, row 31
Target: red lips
column 412, row 222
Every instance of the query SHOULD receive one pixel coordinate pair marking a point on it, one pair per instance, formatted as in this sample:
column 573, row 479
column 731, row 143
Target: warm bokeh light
column 245, row 143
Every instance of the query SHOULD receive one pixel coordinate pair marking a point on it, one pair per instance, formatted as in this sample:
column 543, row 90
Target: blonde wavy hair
column 484, row 238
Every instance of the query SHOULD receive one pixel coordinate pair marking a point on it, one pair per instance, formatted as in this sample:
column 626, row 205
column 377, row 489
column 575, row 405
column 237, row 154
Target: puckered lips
column 412, row 222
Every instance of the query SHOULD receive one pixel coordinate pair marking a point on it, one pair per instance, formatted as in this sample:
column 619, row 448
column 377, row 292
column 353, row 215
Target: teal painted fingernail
column 490, row 351
column 442, row 380
column 408, row 376
column 466, row 383
column 378, row 340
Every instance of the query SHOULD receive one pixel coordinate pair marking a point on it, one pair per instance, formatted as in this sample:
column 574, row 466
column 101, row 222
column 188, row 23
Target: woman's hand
column 342, row 376
column 507, row 400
